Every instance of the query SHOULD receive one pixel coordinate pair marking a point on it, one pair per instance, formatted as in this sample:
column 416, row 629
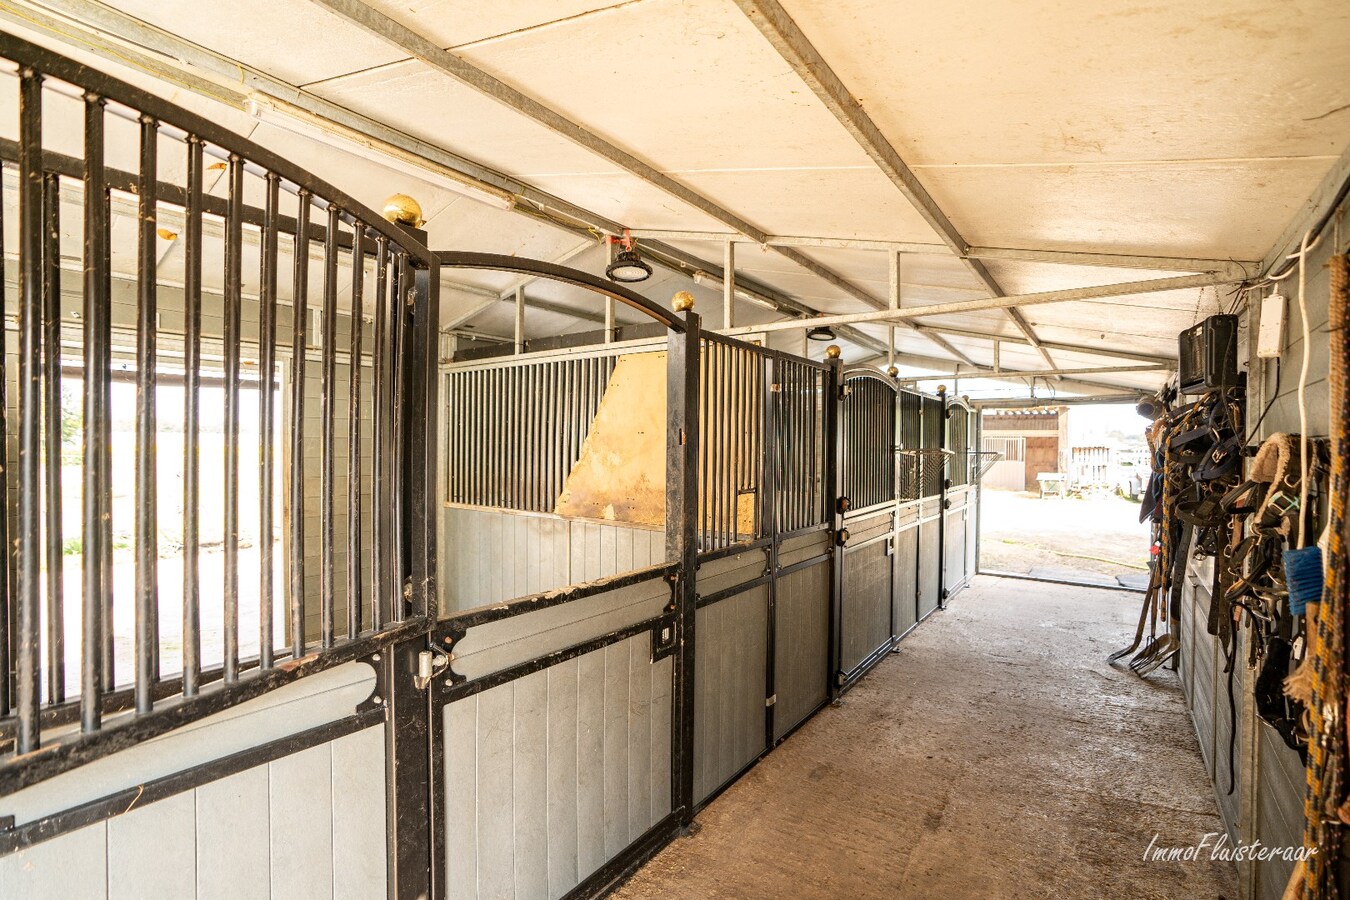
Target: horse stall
column 466, row 626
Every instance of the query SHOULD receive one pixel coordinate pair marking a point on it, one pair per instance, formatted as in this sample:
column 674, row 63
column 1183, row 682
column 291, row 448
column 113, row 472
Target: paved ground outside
column 1096, row 538
column 996, row 755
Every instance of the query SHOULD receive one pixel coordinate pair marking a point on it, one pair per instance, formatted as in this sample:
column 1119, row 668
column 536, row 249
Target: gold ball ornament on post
column 683, row 301
column 832, row 351
column 403, row 210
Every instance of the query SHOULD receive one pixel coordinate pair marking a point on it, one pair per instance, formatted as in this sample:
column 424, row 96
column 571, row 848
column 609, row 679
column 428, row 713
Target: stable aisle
column 996, row 755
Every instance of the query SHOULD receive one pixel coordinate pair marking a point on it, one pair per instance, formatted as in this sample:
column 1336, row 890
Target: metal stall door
column 867, row 541
column 905, row 568
column 800, row 574
column 930, row 476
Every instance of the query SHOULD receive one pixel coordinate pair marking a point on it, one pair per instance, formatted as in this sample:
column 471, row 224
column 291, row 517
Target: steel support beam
column 1016, row 254
column 1053, row 345
column 1043, row 373
column 1150, row 286
column 419, row 47
column 782, row 32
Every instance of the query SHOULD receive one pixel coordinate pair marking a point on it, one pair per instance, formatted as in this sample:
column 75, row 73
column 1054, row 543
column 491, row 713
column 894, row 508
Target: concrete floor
column 996, row 755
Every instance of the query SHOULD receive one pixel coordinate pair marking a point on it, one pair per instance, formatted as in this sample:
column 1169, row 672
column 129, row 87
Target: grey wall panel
column 70, row 866
column 972, row 531
column 954, row 553
column 730, row 571
column 1279, row 808
column 906, row 572
column 234, row 837
column 729, row 687
column 929, row 574
column 491, row 556
column 865, row 614
column 152, row 850
column 870, row 526
column 803, row 547
column 360, row 862
column 307, row 703
column 801, row 645
column 506, row 642
column 551, row 775
column 302, row 857
column 280, row 829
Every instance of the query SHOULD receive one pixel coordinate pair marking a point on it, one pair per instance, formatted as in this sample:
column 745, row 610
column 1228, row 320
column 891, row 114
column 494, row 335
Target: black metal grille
column 911, row 440
column 958, row 442
column 798, row 444
column 731, row 449
column 931, row 461
column 869, row 410
column 195, row 240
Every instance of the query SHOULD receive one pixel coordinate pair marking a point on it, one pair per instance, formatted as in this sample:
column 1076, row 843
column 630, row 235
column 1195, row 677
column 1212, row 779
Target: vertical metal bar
column 354, row 579
column 705, row 462
column 327, row 425
column 402, row 287
column 27, row 546
column 51, row 353
column 7, row 610
column 729, row 284
column 299, row 347
column 267, row 375
column 379, row 445
column 97, row 528
column 520, row 318
column 234, row 240
column 147, row 528
column 192, row 375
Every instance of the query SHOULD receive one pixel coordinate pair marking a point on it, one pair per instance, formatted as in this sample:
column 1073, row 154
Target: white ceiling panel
column 455, row 23
column 295, row 40
column 1119, row 80
column 1219, row 210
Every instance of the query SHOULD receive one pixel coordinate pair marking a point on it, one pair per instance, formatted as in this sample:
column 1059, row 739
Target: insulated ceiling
column 1173, row 130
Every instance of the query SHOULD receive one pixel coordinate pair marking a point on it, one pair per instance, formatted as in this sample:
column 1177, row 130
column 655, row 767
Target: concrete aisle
column 997, row 755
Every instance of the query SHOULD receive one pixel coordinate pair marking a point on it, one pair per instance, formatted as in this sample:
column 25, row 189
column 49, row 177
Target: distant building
column 1030, row 442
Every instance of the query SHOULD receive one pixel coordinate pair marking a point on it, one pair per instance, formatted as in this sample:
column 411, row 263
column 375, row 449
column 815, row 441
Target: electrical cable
column 1303, row 384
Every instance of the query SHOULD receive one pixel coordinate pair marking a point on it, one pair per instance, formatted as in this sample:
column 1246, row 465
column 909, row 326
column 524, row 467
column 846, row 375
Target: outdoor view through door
column 1062, row 500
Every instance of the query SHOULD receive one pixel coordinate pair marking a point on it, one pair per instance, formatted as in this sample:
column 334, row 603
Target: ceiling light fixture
column 627, row 266
column 820, row 333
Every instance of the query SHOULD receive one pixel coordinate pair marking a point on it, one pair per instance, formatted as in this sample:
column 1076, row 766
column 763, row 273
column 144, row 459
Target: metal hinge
column 771, row 700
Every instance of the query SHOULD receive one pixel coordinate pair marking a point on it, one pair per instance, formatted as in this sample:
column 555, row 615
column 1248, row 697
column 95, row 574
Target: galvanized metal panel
column 729, row 686
column 905, row 607
column 302, row 858
column 551, row 775
column 954, row 553
column 801, row 645
column 72, row 865
column 865, row 617
column 929, row 586
column 233, row 837
column 506, row 642
column 803, row 547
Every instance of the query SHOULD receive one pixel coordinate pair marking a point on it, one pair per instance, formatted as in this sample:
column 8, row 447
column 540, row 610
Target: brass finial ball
column 892, row 371
column 942, row 389
column 404, row 210
column 683, row 301
column 832, row 351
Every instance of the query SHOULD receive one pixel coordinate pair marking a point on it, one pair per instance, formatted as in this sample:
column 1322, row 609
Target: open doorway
column 1062, row 500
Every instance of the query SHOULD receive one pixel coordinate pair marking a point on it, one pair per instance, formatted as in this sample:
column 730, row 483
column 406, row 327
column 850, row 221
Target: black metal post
column 833, row 483
column 27, row 545
column 234, row 239
column 192, row 372
column 147, row 326
column 96, row 535
column 51, row 437
column 267, row 374
column 945, row 413
column 682, row 491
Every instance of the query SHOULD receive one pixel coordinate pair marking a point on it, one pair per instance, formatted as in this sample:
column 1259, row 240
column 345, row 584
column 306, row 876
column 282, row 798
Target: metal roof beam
column 1150, row 286
column 782, row 32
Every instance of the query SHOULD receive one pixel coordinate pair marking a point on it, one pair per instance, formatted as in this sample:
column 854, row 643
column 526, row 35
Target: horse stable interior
column 534, row 450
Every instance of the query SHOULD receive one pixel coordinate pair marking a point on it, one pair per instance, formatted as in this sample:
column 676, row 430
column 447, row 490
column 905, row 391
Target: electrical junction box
column 1270, row 333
